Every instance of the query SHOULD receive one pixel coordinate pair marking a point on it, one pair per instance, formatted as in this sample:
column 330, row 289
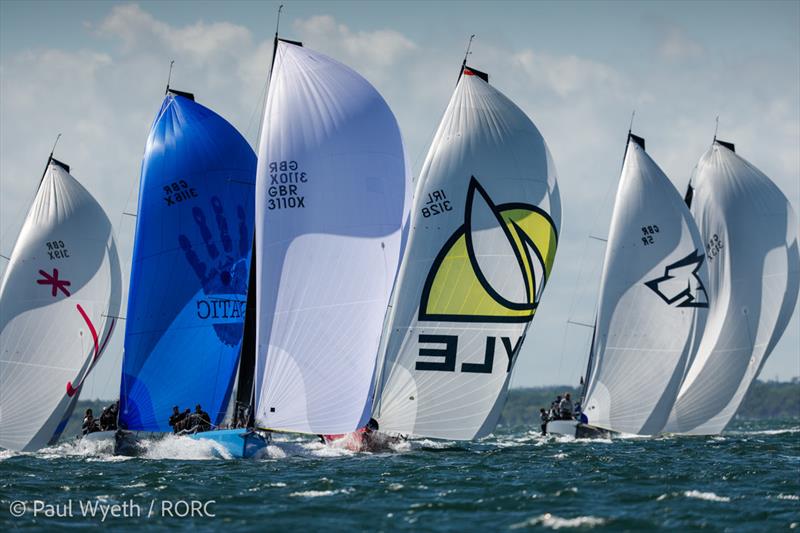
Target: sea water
column 747, row 479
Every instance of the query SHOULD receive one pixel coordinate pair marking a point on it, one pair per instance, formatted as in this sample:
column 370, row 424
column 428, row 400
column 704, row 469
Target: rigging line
column 595, row 237
column 630, row 126
column 169, row 76
column 5, row 257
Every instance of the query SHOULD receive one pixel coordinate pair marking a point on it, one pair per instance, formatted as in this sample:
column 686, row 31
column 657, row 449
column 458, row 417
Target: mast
column 245, row 391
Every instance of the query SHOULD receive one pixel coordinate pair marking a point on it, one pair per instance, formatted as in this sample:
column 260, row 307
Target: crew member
column 545, row 418
column 176, row 420
column 565, row 407
column 89, row 423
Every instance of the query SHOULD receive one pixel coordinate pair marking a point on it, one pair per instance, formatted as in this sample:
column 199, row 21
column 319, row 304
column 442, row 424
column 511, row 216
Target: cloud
column 378, row 48
column 677, row 46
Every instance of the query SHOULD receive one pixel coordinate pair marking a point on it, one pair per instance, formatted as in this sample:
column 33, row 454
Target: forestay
column 59, row 300
column 189, row 277
column 750, row 234
column 331, row 200
column 652, row 301
column 484, row 230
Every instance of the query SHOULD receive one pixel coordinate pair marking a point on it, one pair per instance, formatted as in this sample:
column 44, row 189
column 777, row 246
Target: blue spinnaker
column 189, row 272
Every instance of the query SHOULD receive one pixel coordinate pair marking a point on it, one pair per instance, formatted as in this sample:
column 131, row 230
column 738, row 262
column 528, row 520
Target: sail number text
column 285, row 185
column 441, row 354
column 713, row 247
column 648, row 234
column 57, row 250
column 436, row 204
column 178, row 191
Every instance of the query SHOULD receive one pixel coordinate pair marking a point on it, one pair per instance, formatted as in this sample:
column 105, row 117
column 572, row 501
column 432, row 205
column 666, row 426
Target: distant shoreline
column 764, row 400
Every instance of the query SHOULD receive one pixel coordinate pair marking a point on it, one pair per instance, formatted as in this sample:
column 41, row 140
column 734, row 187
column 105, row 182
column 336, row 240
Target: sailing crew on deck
column 565, row 408
column 89, row 423
column 545, row 418
column 108, row 418
column 199, row 420
column 177, row 418
column 554, row 406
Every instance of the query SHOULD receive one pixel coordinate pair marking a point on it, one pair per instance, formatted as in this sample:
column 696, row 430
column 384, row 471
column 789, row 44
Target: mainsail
column 483, row 236
column 652, row 301
column 750, row 234
column 189, row 276
column 331, row 199
column 58, row 304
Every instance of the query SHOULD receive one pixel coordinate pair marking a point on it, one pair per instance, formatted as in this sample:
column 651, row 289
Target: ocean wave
column 792, row 497
column 552, row 521
column 708, row 496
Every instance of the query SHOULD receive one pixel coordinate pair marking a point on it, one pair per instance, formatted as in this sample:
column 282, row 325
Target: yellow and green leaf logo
column 494, row 267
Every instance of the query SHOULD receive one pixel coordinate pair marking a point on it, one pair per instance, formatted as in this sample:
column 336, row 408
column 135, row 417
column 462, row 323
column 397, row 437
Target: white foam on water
column 395, row 486
column 180, row 447
column 573, row 490
column 708, row 496
column 556, row 522
column 97, row 449
column 560, row 456
column 319, row 493
column 792, row 497
column 765, row 432
column 7, row 454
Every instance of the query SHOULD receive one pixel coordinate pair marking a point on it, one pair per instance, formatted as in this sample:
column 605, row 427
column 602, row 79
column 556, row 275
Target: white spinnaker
column 332, row 196
column 651, row 294
column 750, row 231
column 451, row 340
column 60, row 292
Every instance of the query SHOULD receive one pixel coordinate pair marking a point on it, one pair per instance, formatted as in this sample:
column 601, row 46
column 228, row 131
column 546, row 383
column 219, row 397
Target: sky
column 96, row 71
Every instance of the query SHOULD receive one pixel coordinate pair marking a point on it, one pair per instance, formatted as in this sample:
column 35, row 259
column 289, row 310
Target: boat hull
column 573, row 428
column 240, row 443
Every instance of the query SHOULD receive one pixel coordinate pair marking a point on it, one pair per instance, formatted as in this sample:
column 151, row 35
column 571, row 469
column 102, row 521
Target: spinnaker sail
column 483, row 236
column 750, row 233
column 652, row 304
column 59, row 301
column 331, row 200
column 190, row 268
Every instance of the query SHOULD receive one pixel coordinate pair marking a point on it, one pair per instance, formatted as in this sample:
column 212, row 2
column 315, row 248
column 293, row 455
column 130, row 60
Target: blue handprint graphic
column 223, row 276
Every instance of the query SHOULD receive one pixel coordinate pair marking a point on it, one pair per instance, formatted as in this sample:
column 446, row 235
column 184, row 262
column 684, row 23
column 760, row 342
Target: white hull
column 562, row 427
column 100, row 436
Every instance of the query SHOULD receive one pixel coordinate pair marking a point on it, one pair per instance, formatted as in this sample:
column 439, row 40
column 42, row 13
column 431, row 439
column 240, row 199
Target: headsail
column 59, row 300
column 331, row 200
column 189, row 275
column 750, row 234
column 652, row 301
column 484, row 230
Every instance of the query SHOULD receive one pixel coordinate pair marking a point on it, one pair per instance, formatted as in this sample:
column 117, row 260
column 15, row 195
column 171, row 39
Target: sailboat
column 190, row 270
column 750, row 233
column 59, row 300
column 652, row 307
column 332, row 198
column 482, row 241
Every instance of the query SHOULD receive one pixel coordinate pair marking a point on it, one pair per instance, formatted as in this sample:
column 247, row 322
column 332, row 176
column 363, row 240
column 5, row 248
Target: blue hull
column 240, row 443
